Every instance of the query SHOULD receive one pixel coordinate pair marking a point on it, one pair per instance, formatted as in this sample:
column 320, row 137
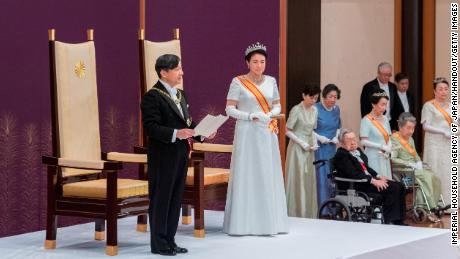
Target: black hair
column 377, row 95
column 329, row 88
column 252, row 53
column 166, row 62
column 400, row 76
column 311, row 89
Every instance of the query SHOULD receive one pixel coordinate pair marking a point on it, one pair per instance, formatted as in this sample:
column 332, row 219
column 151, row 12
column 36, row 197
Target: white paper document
column 209, row 125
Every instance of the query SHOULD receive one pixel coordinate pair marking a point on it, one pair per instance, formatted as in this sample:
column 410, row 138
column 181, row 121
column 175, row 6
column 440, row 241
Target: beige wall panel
column 443, row 38
column 356, row 36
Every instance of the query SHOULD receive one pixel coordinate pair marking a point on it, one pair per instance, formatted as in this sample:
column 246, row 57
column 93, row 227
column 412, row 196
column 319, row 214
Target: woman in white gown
column 436, row 122
column 256, row 201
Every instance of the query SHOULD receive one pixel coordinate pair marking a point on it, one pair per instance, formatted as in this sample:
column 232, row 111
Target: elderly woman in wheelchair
column 361, row 192
column 416, row 176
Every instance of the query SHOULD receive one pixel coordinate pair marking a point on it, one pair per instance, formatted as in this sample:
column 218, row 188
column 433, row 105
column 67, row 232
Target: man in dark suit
column 384, row 73
column 351, row 162
column 168, row 125
column 404, row 101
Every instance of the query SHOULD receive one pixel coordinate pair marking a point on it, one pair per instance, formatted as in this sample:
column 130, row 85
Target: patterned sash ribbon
column 405, row 144
column 380, row 128
column 443, row 112
column 261, row 100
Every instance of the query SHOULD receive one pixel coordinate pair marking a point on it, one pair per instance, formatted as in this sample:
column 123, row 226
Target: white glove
column 335, row 140
column 367, row 143
column 419, row 165
column 305, row 146
column 314, row 148
column 447, row 134
column 276, row 110
column 235, row 113
column 261, row 116
column 321, row 139
column 386, row 148
column 436, row 130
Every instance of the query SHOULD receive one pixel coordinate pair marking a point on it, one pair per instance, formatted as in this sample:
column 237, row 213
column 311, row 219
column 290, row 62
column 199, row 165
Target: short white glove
column 386, row 148
column 418, row 165
column 447, row 133
column 335, row 140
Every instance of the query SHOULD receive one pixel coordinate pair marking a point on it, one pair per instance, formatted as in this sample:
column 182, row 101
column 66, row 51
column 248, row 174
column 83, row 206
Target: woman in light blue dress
column 375, row 135
column 327, row 130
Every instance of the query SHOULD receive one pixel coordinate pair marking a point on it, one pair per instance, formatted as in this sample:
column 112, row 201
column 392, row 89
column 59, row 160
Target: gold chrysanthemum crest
column 79, row 69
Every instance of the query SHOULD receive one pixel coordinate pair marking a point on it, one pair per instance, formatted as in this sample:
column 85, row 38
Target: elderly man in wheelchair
column 361, row 192
column 416, row 176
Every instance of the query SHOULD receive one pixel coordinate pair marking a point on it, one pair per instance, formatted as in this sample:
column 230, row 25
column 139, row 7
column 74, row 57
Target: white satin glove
column 261, row 116
column 335, row 140
column 314, row 148
column 447, row 133
column 321, row 139
column 276, row 110
column 235, row 113
column 305, row 146
column 386, row 148
column 419, row 165
column 367, row 143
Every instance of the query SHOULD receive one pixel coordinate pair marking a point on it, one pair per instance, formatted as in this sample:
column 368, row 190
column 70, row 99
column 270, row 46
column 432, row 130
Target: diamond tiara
column 255, row 47
column 380, row 94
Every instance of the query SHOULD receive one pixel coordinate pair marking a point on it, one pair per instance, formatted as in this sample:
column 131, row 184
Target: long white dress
column 436, row 149
column 256, row 201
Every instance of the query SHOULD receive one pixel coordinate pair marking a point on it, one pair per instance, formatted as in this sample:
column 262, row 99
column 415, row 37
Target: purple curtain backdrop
column 214, row 35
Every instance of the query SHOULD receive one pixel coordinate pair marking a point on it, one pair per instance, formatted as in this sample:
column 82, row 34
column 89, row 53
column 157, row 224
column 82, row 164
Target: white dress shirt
column 404, row 100
column 173, row 93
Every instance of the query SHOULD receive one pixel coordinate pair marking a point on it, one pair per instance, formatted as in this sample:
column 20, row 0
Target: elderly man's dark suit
column 398, row 108
column 167, row 162
column 371, row 87
column 348, row 166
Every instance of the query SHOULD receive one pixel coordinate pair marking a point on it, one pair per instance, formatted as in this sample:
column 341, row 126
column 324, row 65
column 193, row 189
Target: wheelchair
column 349, row 204
column 419, row 212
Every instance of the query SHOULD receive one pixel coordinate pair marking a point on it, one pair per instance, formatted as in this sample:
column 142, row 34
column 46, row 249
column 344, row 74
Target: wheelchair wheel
column 420, row 215
column 334, row 209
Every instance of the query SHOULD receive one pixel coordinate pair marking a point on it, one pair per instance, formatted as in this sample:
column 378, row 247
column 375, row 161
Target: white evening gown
column 256, row 201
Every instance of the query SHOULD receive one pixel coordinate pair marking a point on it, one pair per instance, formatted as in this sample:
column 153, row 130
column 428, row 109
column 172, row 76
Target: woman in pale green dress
column 300, row 174
column 403, row 152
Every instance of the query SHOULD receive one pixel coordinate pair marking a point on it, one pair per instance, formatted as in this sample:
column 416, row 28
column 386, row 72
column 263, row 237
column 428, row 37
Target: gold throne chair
column 82, row 181
column 204, row 185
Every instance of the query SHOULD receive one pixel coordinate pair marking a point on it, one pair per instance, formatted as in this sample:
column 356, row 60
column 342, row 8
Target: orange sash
column 443, row 112
column 406, row 145
column 379, row 126
column 261, row 100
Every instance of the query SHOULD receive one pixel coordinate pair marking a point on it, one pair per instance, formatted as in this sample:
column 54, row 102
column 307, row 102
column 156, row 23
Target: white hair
column 344, row 132
column 383, row 65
